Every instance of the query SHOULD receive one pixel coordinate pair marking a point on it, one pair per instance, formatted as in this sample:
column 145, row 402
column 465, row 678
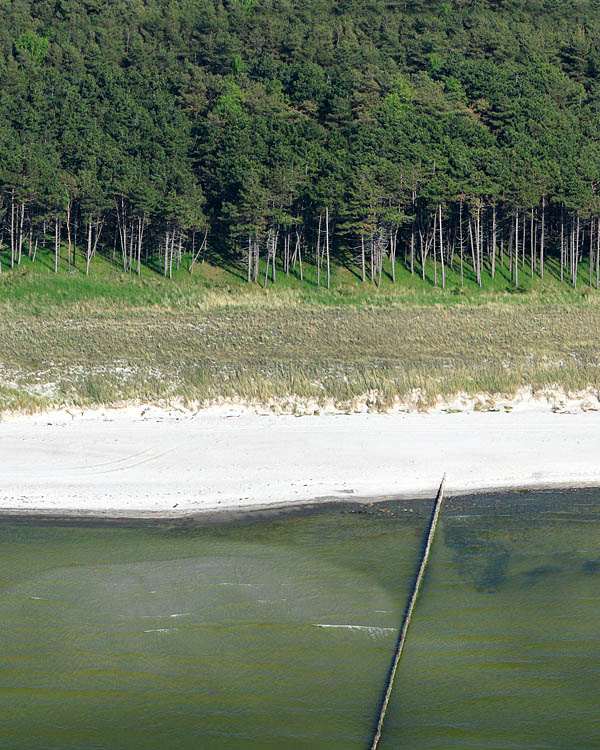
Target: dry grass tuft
column 259, row 351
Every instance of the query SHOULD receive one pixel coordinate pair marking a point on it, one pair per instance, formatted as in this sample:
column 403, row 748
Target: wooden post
column 408, row 615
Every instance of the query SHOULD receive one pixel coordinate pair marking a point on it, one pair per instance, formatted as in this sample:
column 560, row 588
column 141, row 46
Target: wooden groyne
column 408, row 616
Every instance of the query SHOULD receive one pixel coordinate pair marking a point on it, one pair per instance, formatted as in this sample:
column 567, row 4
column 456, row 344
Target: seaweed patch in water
column 543, row 571
column 494, row 574
column 477, row 555
column 591, row 566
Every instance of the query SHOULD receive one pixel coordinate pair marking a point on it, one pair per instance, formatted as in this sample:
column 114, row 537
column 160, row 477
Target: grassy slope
column 36, row 285
column 111, row 337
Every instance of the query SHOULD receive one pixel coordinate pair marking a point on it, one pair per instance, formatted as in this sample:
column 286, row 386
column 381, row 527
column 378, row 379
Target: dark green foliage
column 131, row 128
column 29, row 43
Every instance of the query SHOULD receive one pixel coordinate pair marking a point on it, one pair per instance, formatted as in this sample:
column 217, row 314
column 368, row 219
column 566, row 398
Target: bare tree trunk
column 516, row 263
column 479, row 244
column 362, row 258
column 577, row 247
column 271, row 245
column 511, row 249
column 98, row 229
column 424, row 250
column 88, row 256
column 249, row 260
column 122, row 230
column 73, row 261
column 562, row 244
column 288, row 244
column 591, row 251
column 523, row 248
column 575, row 252
column 294, row 255
column 69, row 234
column 171, row 254
column 268, row 259
column 435, row 248
column 319, row 251
column 412, row 237
column 571, row 247
column 167, row 242
column 327, row 246
column 494, row 232
column 20, row 242
column 91, row 249
column 202, row 248
column 441, row 248
column 141, row 224
column 472, row 244
column 542, row 237
column 12, row 229
column 532, row 244
column 461, row 243
column 130, row 262
column 124, row 241
column 597, row 253
column 298, row 253
column 56, row 243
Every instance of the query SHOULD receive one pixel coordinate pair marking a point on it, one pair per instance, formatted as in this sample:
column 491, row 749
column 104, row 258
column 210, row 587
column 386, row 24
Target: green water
column 279, row 633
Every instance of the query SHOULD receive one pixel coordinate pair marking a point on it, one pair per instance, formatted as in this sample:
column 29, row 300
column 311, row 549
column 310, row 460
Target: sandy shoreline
column 147, row 462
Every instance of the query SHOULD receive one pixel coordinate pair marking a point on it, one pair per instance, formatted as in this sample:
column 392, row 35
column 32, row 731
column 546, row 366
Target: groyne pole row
column 408, row 616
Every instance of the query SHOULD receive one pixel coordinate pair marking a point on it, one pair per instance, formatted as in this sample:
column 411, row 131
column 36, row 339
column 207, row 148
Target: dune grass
column 110, row 338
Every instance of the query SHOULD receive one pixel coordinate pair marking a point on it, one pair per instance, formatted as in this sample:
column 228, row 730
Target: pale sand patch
column 146, row 460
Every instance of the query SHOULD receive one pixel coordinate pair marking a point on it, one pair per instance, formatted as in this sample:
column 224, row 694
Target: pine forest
column 282, row 137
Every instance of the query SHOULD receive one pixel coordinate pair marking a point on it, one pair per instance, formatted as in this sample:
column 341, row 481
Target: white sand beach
column 146, row 461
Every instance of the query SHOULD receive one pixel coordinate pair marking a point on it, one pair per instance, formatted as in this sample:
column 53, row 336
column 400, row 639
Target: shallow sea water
column 279, row 632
